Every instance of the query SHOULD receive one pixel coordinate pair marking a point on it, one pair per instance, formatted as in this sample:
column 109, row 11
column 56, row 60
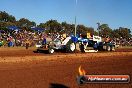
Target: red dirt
column 60, row 70
column 30, row 52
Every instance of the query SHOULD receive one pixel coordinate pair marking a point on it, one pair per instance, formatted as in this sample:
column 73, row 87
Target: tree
column 51, row 26
column 23, row 22
column 124, row 32
column 121, row 32
column 96, row 33
column 54, row 26
column 68, row 28
column 11, row 19
column 6, row 20
column 84, row 30
column 115, row 33
column 5, row 17
column 105, row 30
column 42, row 25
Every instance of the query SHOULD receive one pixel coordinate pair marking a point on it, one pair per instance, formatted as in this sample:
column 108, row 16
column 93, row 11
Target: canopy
column 38, row 29
column 12, row 28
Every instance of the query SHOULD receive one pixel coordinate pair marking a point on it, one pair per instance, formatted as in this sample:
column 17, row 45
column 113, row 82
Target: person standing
column 95, row 46
column 27, row 43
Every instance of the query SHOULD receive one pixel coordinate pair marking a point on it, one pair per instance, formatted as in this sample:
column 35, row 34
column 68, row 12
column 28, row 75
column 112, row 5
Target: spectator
column 27, row 43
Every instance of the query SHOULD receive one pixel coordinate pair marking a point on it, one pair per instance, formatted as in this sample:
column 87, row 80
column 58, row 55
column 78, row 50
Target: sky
column 115, row 13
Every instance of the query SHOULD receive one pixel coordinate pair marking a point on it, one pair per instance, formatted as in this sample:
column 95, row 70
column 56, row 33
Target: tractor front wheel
column 108, row 48
column 51, row 50
column 113, row 48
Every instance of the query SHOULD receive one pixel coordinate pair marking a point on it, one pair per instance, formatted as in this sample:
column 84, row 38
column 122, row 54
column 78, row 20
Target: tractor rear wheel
column 70, row 46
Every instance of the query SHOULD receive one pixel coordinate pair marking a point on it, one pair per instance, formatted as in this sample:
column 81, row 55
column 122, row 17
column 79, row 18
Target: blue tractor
column 64, row 44
column 95, row 44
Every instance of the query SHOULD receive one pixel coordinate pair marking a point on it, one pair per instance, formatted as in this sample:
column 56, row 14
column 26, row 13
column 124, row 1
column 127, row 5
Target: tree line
column 54, row 26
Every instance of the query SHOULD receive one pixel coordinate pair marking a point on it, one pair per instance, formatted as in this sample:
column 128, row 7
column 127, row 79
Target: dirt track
column 25, row 69
column 14, row 52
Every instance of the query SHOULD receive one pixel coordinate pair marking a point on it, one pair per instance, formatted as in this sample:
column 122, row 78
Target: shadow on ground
column 56, row 85
column 42, row 51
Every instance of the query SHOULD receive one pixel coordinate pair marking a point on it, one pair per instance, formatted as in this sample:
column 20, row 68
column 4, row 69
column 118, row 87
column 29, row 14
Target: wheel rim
column 51, row 50
column 108, row 48
column 113, row 48
column 72, row 47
